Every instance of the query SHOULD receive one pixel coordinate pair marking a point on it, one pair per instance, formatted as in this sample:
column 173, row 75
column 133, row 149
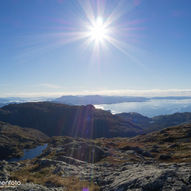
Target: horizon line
column 116, row 92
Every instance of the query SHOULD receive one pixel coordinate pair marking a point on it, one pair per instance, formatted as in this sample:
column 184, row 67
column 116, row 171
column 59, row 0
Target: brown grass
column 45, row 177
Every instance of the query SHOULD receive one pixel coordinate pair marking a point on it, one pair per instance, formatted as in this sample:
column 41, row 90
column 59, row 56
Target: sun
column 98, row 31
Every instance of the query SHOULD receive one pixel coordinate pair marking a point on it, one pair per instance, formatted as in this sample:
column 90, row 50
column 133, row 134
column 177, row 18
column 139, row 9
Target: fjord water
column 151, row 107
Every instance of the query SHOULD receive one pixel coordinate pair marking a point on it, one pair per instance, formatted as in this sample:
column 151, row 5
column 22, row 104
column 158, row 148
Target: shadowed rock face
column 66, row 120
column 84, row 151
column 80, row 149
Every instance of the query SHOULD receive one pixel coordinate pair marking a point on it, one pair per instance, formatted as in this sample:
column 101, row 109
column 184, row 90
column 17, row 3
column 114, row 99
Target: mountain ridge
column 60, row 119
column 56, row 119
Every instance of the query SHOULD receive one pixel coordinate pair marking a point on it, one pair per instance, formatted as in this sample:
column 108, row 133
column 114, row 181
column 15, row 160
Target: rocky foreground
column 107, row 177
column 158, row 161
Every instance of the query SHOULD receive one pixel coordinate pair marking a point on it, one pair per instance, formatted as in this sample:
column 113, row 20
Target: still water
column 150, row 108
column 30, row 153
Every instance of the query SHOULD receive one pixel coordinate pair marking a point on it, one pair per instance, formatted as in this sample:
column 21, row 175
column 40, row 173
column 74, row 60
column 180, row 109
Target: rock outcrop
column 128, row 176
column 144, row 163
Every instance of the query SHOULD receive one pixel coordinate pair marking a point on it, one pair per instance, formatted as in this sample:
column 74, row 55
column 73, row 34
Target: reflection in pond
column 30, row 153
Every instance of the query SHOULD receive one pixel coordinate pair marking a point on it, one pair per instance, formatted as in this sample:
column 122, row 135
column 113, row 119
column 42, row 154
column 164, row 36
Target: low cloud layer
column 120, row 92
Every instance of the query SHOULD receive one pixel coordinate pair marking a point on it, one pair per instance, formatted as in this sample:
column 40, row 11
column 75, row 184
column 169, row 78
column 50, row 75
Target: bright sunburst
column 96, row 28
column 98, row 31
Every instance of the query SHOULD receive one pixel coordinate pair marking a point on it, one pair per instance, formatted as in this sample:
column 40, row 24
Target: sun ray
column 96, row 29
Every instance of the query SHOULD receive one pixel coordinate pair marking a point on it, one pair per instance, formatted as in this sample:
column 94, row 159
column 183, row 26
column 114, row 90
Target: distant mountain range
column 88, row 99
column 97, row 99
column 55, row 119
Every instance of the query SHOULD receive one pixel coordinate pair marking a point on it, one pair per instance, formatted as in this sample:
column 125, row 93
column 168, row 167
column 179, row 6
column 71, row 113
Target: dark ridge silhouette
column 77, row 121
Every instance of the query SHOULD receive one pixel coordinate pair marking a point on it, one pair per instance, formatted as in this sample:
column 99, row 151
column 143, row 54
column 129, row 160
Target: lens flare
column 85, row 189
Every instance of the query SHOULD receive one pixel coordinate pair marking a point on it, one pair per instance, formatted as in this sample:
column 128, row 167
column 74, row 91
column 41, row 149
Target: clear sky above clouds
column 42, row 52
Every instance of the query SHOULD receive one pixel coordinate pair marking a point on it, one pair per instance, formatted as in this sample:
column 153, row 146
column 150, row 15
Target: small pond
column 30, row 153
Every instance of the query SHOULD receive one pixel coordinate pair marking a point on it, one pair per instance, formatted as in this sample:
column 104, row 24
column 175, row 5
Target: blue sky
column 39, row 53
